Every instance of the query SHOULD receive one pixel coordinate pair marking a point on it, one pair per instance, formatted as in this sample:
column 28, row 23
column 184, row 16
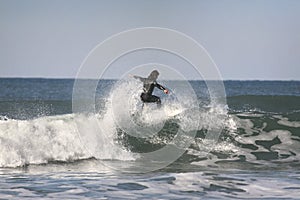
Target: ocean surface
column 247, row 148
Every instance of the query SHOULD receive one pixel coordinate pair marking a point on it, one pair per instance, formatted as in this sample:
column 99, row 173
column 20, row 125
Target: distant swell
column 267, row 103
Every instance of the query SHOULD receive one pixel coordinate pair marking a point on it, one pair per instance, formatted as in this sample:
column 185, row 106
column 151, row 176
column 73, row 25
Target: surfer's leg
column 146, row 98
column 156, row 99
column 158, row 102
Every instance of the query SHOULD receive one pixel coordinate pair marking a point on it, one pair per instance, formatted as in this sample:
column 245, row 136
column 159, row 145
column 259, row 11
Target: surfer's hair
column 153, row 75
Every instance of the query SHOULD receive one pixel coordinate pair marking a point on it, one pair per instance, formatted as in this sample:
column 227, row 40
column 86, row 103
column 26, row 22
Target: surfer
column 148, row 87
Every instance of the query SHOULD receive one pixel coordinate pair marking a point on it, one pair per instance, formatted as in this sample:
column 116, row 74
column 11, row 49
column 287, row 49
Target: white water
column 51, row 138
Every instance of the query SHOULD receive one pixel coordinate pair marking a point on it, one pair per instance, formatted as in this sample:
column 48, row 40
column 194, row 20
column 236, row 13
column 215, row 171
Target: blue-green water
column 47, row 151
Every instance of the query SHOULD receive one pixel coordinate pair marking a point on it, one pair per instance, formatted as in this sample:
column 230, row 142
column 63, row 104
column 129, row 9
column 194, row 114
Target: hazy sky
column 247, row 39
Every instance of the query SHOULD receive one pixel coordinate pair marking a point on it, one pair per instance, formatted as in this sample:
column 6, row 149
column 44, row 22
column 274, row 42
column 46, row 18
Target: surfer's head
column 153, row 75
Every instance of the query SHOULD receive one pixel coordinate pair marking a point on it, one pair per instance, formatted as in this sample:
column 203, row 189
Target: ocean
column 248, row 148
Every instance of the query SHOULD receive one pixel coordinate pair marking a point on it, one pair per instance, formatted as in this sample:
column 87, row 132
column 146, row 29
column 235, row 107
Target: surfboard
column 168, row 111
column 172, row 113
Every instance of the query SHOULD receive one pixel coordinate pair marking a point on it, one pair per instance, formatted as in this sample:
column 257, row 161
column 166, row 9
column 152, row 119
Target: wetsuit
column 148, row 88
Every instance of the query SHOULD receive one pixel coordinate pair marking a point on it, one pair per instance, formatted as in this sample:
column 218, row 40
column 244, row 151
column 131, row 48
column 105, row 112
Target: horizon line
column 73, row 78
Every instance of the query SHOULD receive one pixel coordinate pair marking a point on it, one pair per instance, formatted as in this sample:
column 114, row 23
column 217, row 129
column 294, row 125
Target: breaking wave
column 249, row 132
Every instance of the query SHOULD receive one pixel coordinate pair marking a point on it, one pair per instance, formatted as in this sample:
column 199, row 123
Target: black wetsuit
column 148, row 88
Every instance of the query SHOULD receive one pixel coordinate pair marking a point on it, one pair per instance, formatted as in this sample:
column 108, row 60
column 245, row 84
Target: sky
column 248, row 40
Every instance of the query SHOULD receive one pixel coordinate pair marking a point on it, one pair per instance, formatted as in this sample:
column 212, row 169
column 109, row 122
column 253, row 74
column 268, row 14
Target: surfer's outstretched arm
column 159, row 86
column 138, row 77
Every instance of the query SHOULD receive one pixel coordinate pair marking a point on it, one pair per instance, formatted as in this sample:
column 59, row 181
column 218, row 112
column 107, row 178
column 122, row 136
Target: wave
column 246, row 132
